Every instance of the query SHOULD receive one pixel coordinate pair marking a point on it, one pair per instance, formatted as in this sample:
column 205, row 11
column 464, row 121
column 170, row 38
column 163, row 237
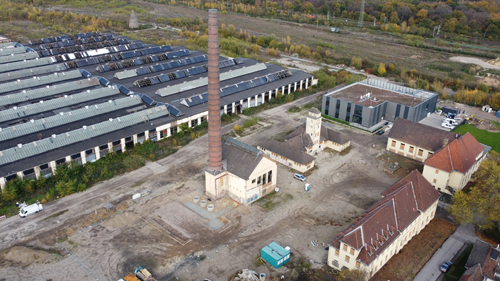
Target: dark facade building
column 370, row 102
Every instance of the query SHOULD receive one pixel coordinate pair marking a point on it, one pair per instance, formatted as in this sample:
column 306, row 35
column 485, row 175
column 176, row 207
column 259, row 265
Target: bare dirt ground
column 110, row 244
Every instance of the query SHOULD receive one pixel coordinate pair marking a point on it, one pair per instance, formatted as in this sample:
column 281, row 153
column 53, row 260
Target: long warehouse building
column 76, row 98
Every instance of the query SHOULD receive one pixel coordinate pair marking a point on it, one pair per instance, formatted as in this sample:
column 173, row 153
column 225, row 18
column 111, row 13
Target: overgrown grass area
column 458, row 268
column 270, row 201
column 72, row 177
column 55, row 215
column 407, row 263
column 482, row 136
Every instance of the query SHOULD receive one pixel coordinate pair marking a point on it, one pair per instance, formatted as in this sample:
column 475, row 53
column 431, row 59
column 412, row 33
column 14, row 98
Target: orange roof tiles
column 459, row 155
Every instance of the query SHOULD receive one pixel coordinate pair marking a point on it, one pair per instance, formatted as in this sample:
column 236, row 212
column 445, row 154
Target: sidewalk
column 463, row 234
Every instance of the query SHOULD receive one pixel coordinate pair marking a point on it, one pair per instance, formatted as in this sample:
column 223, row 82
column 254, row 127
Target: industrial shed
column 76, row 98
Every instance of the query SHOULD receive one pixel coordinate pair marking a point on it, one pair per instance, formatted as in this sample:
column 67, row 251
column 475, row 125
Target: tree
column 352, row 275
column 381, row 69
column 297, row 6
column 481, row 203
column 309, row 8
column 356, row 62
column 261, row 41
column 394, row 17
column 422, row 14
column 288, row 5
column 289, row 98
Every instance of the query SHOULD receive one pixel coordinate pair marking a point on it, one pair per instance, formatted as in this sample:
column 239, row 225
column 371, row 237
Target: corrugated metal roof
column 31, row 109
column 26, row 64
column 48, row 91
column 83, row 134
column 39, row 81
column 10, row 51
column 69, row 117
column 8, row 44
column 125, row 74
column 170, row 90
column 42, row 70
column 18, row 57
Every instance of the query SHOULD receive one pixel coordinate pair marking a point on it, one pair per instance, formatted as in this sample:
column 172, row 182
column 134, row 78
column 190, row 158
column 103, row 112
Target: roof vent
column 15, row 107
column 61, row 113
column 53, row 136
column 84, row 127
column 32, row 121
column 66, row 96
column 19, row 145
column 86, row 107
column 110, row 119
column 41, row 101
column 47, row 86
column 88, row 91
column 119, row 120
column 110, row 101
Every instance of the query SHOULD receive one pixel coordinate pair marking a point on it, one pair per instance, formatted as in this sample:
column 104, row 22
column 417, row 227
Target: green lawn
column 484, row 137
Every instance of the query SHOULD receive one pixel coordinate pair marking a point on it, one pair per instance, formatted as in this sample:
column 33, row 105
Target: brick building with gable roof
column 386, row 227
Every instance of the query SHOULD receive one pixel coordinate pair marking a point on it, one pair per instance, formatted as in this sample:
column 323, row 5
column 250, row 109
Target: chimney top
column 445, row 142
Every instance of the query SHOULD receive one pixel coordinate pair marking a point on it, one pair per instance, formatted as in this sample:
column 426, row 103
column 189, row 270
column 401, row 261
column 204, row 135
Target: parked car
column 386, row 123
column 446, row 266
column 448, row 126
column 299, row 177
column 381, row 132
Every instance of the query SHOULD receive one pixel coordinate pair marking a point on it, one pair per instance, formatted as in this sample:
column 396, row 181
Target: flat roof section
column 377, row 96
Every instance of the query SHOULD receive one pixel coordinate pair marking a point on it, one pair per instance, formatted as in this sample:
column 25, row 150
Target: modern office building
column 370, row 102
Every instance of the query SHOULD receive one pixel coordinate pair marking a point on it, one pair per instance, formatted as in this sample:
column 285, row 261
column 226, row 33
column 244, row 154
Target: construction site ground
column 77, row 238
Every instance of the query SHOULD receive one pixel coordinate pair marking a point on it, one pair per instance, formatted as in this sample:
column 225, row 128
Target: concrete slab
column 435, row 121
column 215, row 223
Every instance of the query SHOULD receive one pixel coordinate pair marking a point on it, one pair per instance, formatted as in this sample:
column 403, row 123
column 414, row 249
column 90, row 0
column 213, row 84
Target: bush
column 289, row 98
column 237, row 128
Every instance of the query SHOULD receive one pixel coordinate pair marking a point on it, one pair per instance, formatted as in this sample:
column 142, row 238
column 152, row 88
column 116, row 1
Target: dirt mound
column 488, row 126
column 494, row 61
column 121, row 220
column 26, row 256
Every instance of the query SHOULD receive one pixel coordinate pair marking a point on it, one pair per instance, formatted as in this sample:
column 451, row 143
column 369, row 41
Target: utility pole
column 361, row 14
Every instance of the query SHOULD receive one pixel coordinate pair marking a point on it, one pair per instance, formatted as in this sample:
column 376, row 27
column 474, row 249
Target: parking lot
column 435, row 121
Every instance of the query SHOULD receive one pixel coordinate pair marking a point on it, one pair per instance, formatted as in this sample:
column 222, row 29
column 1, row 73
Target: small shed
column 487, row 108
column 275, row 254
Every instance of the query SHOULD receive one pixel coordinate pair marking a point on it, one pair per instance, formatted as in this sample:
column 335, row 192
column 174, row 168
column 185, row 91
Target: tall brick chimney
column 214, row 122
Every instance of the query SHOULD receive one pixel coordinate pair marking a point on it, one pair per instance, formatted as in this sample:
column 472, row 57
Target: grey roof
column 326, row 134
column 242, row 159
column 8, row 44
column 478, row 254
column 32, row 72
column 10, row 51
column 314, row 110
column 175, row 89
column 35, row 108
column 39, row 125
column 48, row 91
column 18, row 57
column 39, row 81
column 419, row 134
column 26, row 64
column 291, row 149
column 83, row 134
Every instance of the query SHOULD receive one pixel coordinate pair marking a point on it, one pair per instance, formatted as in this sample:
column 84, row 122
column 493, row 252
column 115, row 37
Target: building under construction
column 76, row 98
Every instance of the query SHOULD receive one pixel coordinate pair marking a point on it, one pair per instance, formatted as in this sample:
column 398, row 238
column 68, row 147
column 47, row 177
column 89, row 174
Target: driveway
column 449, row 249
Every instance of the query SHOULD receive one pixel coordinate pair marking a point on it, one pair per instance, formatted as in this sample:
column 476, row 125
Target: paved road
column 477, row 61
column 463, row 234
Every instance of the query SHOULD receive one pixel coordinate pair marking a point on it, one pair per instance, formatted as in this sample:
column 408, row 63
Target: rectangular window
column 411, row 149
column 336, row 252
column 258, row 180
column 358, row 265
column 437, row 171
column 338, row 104
column 402, row 146
column 264, row 179
column 347, row 118
column 393, row 144
column 344, row 247
column 429, row 154
column 352, row 251
column 270, row 176
column 327, row 101
column 253, row 181
column 347, row 258
column 326, row 111
column 420, row 152
column 336, row 115
column 434, row 181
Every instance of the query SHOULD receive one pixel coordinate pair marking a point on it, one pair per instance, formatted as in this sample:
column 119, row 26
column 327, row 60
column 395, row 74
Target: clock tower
column 313, row 129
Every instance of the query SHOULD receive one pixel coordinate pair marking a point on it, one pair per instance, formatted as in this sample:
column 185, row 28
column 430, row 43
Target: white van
column 31, row 209
column 450, row 121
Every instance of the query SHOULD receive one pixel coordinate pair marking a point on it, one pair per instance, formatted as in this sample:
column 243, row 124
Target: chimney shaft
column 214, row 122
